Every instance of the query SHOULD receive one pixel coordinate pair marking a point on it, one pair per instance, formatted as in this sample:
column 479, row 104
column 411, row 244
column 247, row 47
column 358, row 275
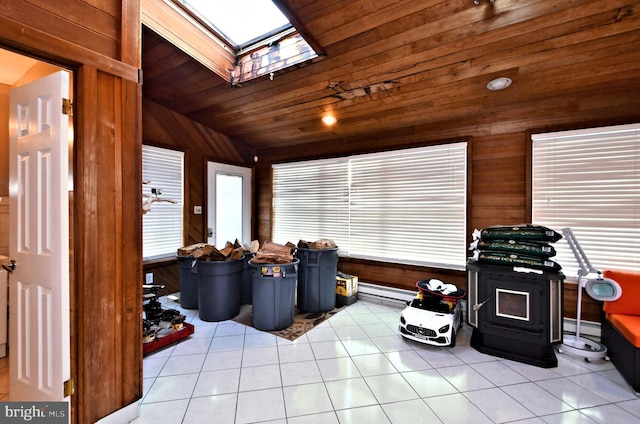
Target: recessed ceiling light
column 329, row 119
column 499, row 83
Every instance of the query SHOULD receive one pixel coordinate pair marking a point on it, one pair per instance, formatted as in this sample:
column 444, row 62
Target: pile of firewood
column 207, row 252
column 317, row 245
column 269, row 253
column 274, row 253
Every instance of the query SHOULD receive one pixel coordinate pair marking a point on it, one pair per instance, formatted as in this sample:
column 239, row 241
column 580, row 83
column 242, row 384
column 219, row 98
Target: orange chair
column 621, row 326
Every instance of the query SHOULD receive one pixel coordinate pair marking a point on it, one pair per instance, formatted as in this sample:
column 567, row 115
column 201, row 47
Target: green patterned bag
column 541, row 250
column 518, row 232
column 513, row 259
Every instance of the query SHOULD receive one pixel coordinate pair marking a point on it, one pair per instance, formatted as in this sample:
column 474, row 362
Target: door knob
column 10, row 266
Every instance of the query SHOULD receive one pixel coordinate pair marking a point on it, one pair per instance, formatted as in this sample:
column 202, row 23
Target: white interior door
column 39, row 240
column 228, row 204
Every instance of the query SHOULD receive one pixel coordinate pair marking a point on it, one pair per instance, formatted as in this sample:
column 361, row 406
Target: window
column 163, row 174
column 405, row 206
column 241, row 22
column 589, row 181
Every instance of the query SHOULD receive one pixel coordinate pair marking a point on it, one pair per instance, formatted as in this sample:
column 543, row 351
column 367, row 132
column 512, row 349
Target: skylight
column 262, row 38
column 240, row 22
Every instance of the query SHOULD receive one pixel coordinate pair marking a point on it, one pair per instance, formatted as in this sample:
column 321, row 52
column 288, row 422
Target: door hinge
column 69, row 387
column 67, row 107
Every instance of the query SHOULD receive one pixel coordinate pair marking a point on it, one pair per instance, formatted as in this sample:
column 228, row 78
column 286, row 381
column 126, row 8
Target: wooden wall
column 100, row 42
column 165, row 128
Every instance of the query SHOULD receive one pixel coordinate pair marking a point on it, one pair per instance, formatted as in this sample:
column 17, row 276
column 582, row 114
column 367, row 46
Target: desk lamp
column 599, row 288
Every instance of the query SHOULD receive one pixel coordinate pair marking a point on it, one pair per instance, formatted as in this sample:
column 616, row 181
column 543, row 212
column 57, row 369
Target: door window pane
column 229, row 209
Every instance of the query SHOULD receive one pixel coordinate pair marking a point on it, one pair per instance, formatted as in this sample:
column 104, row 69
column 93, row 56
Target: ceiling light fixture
column 499, row 83
column 329, row 120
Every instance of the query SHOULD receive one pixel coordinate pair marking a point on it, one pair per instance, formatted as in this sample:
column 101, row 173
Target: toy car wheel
column 453, row 339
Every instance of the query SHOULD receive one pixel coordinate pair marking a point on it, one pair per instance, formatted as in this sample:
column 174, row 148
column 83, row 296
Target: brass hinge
column 67, row 107
column 69, row 387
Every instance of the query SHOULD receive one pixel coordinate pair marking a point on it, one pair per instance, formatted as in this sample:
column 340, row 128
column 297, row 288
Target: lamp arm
column 585, row 266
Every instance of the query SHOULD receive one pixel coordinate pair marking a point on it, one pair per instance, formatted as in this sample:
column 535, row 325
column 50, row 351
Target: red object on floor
column 161, row 342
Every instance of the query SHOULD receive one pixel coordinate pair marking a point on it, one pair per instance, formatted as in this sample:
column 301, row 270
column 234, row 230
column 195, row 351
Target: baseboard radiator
column 379, row 293
column 399, row 297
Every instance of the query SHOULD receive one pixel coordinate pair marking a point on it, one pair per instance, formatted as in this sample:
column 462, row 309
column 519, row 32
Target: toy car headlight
column 402, row 320
column 443, row 329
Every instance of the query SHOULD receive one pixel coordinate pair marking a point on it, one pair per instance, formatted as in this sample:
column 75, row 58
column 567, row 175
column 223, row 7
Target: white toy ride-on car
column 433, row 316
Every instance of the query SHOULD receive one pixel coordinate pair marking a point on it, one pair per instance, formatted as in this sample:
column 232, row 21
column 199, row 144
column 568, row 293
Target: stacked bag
column 522, row 245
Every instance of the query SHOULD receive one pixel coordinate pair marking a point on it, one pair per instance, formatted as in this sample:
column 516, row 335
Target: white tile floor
column 355, row 368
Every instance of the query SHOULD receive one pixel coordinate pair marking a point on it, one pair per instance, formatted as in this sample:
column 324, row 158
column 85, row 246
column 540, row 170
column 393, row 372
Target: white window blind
column 404, row 206
column 589, row 181
column 162, row 232
column 311, row 201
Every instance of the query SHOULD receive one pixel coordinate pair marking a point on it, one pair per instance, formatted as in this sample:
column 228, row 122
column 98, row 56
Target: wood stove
column 515, row 314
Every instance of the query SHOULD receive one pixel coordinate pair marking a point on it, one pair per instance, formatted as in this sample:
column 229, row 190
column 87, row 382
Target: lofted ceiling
column 406, row 67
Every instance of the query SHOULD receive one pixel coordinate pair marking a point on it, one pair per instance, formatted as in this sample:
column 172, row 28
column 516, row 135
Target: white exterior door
column 39, row 240
column 228, row 204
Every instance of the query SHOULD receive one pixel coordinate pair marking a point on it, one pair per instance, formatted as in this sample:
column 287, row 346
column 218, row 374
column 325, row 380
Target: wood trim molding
column 131, row 45
column 31, row 40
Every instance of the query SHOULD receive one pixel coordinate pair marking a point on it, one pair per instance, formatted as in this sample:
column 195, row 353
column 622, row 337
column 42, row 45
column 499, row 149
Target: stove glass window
column 512, row 304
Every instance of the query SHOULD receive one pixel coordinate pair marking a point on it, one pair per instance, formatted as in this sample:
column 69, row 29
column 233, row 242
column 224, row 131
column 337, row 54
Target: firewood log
column 271, row 258
column 269, row 246
column 208, row 253
column 188, row 250
column 236, row 254
column 323, row 244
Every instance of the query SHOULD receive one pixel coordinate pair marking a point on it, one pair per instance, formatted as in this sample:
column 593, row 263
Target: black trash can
column 245, row 295
column 219, row 288
column 188, row 282
column 317, row 279
column 273, row 288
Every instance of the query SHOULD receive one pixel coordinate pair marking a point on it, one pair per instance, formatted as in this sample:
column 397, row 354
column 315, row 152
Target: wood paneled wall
column 100, row 42
column 165, row 128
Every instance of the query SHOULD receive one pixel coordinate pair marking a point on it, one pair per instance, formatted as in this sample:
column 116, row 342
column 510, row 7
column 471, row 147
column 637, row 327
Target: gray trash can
column 188, row 282
column 273, row 288
column 317, row 279
column 219, row 288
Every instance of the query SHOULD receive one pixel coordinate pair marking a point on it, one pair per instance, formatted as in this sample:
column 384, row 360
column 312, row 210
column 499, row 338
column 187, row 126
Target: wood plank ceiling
column 407, row 66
